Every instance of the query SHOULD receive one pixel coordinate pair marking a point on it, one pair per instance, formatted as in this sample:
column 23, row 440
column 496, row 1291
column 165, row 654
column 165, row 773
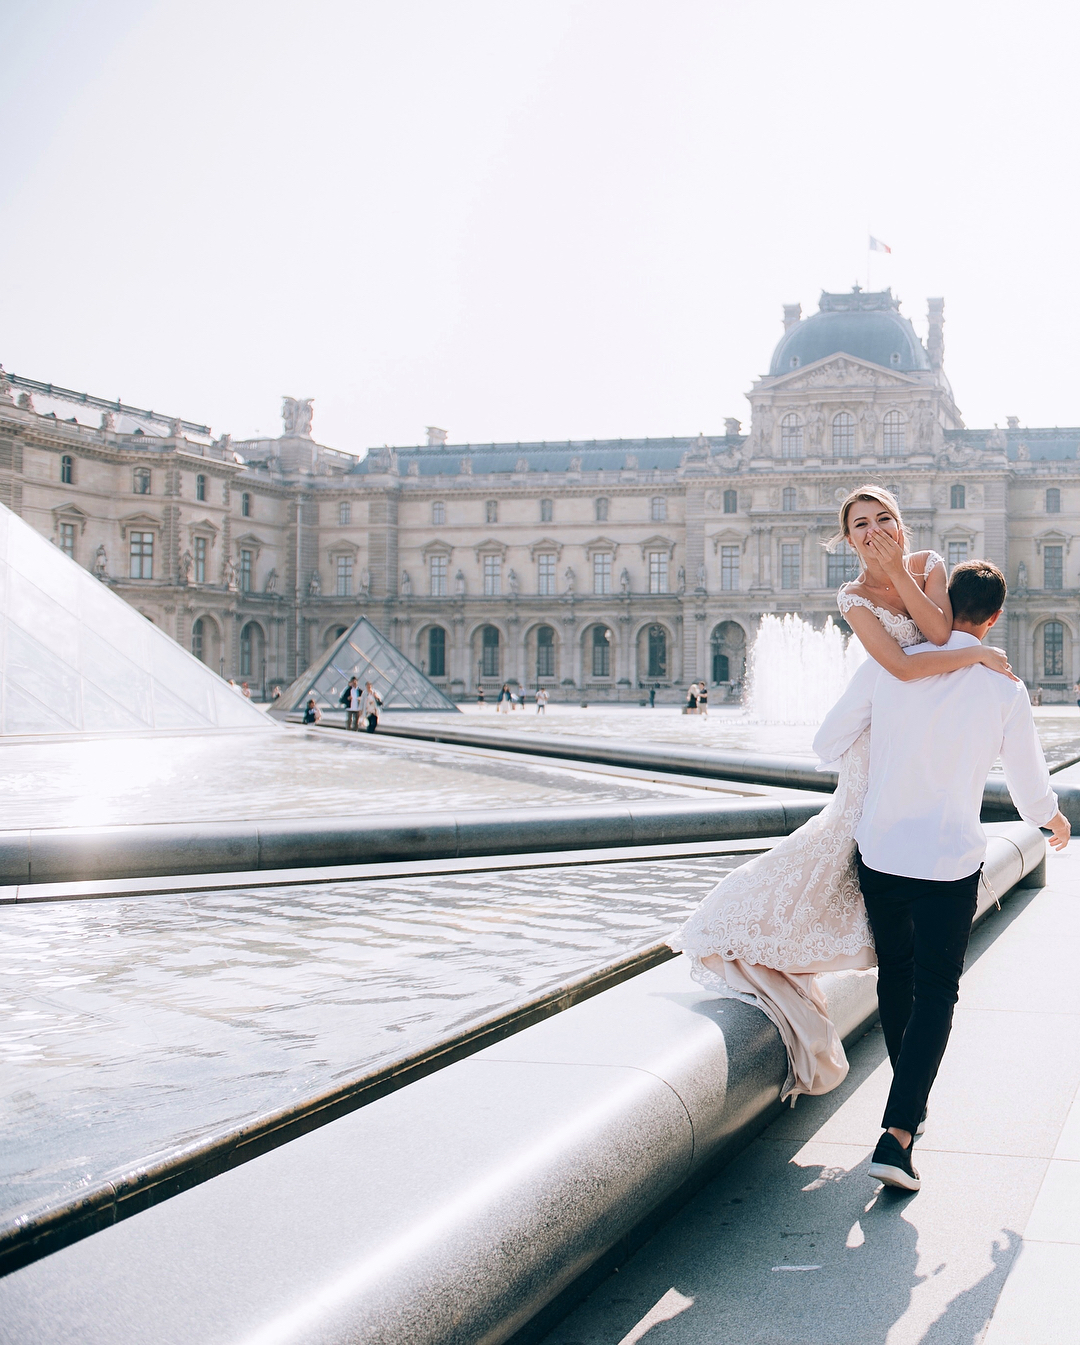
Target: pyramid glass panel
column 75, row 657
column 366, row 654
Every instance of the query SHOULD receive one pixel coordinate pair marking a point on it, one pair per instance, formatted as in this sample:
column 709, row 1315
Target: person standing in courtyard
column 369, row 708
column 920, row 845
column 652, row 698
column 350, row 698
column 541, row 701
column 312, row 713
column 703, row 700
column 691, row 699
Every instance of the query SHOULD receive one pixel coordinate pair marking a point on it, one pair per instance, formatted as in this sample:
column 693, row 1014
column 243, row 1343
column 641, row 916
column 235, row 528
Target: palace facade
column 597, row 569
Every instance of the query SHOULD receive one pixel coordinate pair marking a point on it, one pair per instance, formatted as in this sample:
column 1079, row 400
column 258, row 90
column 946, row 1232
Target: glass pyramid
column 75, row 658
column 364, row 653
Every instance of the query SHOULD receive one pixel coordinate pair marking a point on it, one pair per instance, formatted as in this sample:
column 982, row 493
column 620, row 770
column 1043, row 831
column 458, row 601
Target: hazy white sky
column 526, row 219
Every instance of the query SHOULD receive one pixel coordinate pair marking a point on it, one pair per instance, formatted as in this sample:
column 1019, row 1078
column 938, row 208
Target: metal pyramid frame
column 365, row 653
column 76, row 658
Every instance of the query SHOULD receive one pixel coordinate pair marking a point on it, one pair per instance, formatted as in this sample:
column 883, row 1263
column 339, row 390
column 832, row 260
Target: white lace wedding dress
column 764, row 933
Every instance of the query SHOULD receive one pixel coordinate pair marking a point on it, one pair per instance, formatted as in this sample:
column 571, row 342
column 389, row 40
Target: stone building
column 597, row 569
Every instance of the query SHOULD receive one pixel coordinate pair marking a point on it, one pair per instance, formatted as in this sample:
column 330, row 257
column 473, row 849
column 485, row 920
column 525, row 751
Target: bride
column 764, row 933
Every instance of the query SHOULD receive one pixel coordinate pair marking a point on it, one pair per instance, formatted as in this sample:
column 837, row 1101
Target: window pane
column 659, row 509
column 197, row 638
column 200, row 560
column 791, row 437
column 438, row 576
column 67, row 539
column 344, row 576
column 729, row 567
column 142, row 555
column 657, row 647
column 245, row 505
column 491, row 511
column 1053, row 501
column 67, row 473
column 245, row 571
column 843, row 435
column 200, row 487
column 492, row 576
column 893, row 434
column 545, row 652
column 437, row 650
column 601, row 652
column 545, row 511
column 658, row 571
column 790, row 558
column 141, row 480
column 731, row 502
column 787, row 502
column 545, row 566
column 345, row 512
column 1053, row 570
column 438, row 512
column 489, row 666
column 842, row 566
column 1053, row 649
column 957, row 554
column 602, row 572
column 601, row 511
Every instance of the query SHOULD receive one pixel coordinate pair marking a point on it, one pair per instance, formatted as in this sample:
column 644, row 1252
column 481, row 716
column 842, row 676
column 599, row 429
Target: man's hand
column 1059, row 830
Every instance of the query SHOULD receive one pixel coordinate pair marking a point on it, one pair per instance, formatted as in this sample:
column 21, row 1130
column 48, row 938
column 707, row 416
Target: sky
column 526, row 220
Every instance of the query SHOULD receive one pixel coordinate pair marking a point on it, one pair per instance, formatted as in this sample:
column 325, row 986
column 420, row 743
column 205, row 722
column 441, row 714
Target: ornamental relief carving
column 841, row 372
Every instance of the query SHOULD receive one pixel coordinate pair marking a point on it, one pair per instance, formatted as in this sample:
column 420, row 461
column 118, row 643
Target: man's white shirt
column 932, row 744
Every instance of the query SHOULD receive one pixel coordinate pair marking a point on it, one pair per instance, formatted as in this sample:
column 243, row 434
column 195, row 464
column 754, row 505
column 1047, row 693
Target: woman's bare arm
column 881, row 647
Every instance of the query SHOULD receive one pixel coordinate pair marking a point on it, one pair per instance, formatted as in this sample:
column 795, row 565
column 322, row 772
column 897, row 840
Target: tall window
column 140, row 481
column 245, row 505
column 958, row 498
column 729, row 567
column 790, row 565
column 245, row 571
column 1053, row 649
column 731, row 501
column 843, row 435
column 344, row 576
column 657, row 651
column 601, row 572
column 1053, row 500
column 248, row 641
column 200, row 560
column 142, row 555
column 200, row 487
column 658, row 571
column 721, row 667
column 791, row 437
column 957, row 554
column 67, row 470
column 842, row 566
column 438, row 513
column 601, row 651
column 491, row 511
column 492, row 576
column 197, row 638
column 545, row 652
column 601, row 510
column 545, row 576
column 344, row 513
column 546, row 511
column 489, row 652
column 438, row 576
column 787, row 502
column 658, row 509
column 1053, row 570
column 893, row 434
column 67, row 539
column 436, row 649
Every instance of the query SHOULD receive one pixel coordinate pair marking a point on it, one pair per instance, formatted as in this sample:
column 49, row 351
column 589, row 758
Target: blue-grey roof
column 592, row 455
column 869, row 326
column 1041, row 444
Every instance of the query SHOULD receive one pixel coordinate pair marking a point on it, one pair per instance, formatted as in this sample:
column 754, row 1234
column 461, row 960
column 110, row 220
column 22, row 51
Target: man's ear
column 993, row 619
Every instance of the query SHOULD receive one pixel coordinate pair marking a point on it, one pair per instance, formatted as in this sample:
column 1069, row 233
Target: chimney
column 792, row 315
column 935, row 341
column 436, row 438
column 1013, row 422
column 732, row 427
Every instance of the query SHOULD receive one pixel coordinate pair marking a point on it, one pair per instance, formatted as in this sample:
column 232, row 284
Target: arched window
column 140, row 481
column 658, row 509
column 957, row 498
column 843, row 435
column 893, row 434
column 728, row 646
column 657, row 652
column 67, row 470
column 791, row 437
column 200, row 487
column 245, row 505
column 198, row 637
column 491, row 511
column 601, row 651
column 250, row 649
column 489, row 652
column 333, row 635
column 601, row 510
column 1053, row 649
column 438, row 513
column 545, row 652
column 436, row 651
column 788, row 499
column 731, row 501
column 1053, row 500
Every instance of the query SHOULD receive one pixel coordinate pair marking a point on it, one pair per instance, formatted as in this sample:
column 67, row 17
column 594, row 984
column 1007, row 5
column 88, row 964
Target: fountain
column 797, row 672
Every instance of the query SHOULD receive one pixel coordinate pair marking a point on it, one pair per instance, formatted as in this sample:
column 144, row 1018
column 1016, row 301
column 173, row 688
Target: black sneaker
column 892, row 1165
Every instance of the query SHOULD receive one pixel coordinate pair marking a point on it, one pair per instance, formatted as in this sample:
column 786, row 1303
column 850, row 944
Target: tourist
column 275, row 695
column 312, row 713
column 233, row 687
column 369, row 707
column 703, row 700
column 505, row 697
column 691, row 699
column 541, row 701
column 245, row 690
column 652, row 698
column 749, row 939
column 480, row 696
column 350, row 698
column 1076, row 693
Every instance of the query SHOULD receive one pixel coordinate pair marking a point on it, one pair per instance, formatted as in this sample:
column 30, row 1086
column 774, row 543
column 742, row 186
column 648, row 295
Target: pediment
column 545, row 546
column 601, row 544
column 842, row 371
column 139, row 520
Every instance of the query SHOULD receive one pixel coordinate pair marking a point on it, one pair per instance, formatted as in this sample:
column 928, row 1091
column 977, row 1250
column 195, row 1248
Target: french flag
column 876, row 245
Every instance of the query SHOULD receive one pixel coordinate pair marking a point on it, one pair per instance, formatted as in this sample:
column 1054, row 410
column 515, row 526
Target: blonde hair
column 873, row 495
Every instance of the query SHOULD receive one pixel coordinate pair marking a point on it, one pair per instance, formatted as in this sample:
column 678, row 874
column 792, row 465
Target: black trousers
column 372, row 720
column 921, row 930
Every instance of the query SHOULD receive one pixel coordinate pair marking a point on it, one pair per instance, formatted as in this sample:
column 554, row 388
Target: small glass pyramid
column 364, row 653
column 75, row 658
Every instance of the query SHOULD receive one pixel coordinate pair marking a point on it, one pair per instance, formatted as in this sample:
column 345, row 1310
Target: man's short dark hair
column 977, row 590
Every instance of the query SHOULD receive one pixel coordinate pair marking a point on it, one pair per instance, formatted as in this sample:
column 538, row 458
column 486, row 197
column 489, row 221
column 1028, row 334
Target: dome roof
column 868, row 326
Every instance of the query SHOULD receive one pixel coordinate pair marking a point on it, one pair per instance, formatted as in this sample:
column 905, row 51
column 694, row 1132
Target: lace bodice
column 903, row 630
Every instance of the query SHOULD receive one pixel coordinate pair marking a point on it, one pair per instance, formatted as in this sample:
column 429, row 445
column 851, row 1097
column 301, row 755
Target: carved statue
column 365, row 582
column 5, row 388
column 176, row 428
column 624, row 580
column 459, row 583
column 187, row 564
column 512, row 581
column 569, row 577
column 1022, row 454
column 228, row 575
column 26, row 402
column 108, row 421
column 701, row 577
column 1021, row 576
column 815, row 425
column 314, row 587
column 271, row 582
column 869, row 429
column 225, row 443
column 101, row 563
column 406, row 584
column 575, row 464
column 296, row 413
column 680, row 579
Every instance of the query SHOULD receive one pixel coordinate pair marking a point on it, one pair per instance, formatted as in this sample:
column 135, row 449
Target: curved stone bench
column 453, row 1211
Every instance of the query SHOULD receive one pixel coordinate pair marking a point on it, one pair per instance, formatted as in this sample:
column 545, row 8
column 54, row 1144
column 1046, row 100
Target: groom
column 920, row 844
